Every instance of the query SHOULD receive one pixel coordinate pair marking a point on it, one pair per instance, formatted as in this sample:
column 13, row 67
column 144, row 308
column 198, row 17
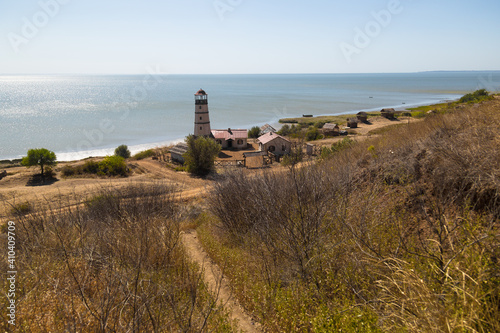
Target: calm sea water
column 81, row 116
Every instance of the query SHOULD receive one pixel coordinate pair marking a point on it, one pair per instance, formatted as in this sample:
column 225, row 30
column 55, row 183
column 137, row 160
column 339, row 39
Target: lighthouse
column 201, row 118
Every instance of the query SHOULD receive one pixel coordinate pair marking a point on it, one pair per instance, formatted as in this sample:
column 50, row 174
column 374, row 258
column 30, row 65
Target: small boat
column 371, row 96
column 307, row 115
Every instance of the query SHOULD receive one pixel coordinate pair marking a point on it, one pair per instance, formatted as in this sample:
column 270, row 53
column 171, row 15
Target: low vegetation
column 110, row 166
column 476, row 97
column 396, row 234
column 144, row 154
column 114, row 264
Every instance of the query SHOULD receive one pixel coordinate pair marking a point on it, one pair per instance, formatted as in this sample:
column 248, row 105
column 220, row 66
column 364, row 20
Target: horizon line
column 297, row 73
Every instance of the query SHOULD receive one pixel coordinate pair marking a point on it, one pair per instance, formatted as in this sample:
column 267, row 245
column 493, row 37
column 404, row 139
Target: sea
column 79, row 116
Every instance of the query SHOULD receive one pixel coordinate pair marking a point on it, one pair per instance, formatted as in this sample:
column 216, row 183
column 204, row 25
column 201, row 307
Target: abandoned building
column 352, row 122
column 388, row 113
column 331, row 129
column 362, row 116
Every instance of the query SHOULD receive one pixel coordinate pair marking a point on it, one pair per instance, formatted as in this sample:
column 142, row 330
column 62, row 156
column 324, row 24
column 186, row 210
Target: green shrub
column 336, row 147
column 313, row 134
column 90, row 167
column 475, row 97
column 144, row 154
column 254, row 132
column 113, row 166
column 319, row 124
column 122, row 151
column 201, row 155
column 285, row 130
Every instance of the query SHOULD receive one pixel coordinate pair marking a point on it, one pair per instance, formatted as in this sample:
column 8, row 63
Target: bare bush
column 113, row 264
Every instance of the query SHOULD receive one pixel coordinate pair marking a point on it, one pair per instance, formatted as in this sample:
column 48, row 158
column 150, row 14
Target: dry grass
column 114, row 264
column 404, row 226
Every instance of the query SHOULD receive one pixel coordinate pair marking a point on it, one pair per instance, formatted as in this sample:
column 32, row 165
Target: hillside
column 396, row 231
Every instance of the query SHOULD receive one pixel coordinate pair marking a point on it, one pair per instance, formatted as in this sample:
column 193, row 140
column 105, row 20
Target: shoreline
column 135, row 148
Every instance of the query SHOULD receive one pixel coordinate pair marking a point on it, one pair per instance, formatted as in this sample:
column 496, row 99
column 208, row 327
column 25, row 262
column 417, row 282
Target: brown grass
column 114, row 264
column 399, row 233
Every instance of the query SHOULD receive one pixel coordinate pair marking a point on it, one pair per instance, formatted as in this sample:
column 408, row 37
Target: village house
column 231, row 138
column 352, row 122
column 331, row 129
column 274, row 143
column 362, row 116
column 388, row 113
column 266, row 129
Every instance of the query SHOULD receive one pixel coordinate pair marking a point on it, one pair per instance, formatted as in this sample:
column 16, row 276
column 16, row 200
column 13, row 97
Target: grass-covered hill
column 396, row 234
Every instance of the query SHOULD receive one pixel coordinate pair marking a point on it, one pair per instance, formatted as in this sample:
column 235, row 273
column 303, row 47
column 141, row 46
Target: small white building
column 274, row 143
column 231, row 138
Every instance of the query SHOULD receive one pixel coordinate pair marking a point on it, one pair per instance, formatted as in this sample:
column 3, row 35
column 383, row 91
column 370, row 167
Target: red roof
column 268, row 137
column 230, row 134
column 200, row 92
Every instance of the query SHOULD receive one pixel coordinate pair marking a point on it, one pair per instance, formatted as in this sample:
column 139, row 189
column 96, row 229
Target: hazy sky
column 248, row 36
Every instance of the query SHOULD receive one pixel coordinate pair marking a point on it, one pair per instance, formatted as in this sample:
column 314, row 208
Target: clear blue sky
column 248, row 36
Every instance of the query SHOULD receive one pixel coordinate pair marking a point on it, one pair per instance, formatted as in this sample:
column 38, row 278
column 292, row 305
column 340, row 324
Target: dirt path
column 214, row 278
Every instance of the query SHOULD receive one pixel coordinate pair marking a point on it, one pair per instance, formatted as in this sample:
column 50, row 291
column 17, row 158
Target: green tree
column 285, row 130
column 42, row 157
column 122, row 151
column 201, row 155
column 254, row 132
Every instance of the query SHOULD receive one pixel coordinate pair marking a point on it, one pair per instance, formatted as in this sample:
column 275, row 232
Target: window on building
column 283, row 148
column 219, row 142
column 201, row 118
column 200, row 107
column 240, row 142
column 201, row 128
column 272, row 148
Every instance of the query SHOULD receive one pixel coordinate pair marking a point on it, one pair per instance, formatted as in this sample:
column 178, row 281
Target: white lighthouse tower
column 201, row 118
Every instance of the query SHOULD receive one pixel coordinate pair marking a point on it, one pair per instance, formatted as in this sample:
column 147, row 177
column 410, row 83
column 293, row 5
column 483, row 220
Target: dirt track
column 217, row 283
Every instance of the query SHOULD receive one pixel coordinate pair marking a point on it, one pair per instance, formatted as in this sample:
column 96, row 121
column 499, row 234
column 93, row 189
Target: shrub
column 285, row 130
column 296, row 156
column 319, row 124
column 201, row 155
column 254, row 132
column 122, row 151
column 313, row 134
column 68, row 171
column 113, row 166
column 90, row 167
column 21, row 209
column 475, row 97
column 144, row 154
column 336, row 147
